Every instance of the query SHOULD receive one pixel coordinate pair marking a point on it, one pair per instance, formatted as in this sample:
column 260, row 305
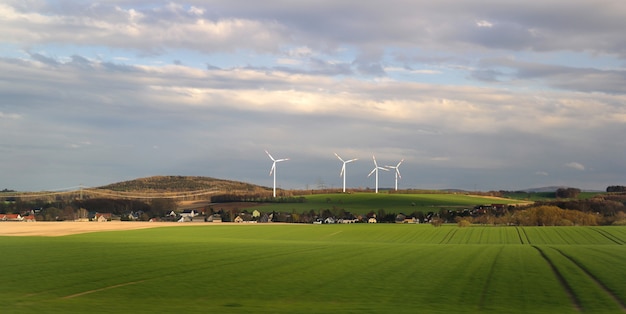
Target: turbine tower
column 273, row 169
column 376, row 167
column 343, row 170
column 397, row 172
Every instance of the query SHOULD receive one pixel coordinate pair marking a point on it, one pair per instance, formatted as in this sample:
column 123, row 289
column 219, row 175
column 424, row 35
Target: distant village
column 255, row 216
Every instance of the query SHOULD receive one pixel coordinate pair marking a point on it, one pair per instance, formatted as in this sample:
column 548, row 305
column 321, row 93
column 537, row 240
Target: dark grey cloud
column 43, row 59
column 158, row 26
column 611, row 81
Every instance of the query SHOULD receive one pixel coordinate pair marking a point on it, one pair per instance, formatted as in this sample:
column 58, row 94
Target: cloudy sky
column 473, row 94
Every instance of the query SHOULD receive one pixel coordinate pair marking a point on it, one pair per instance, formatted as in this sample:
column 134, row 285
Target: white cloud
column 10, row 116
column 575, row 165
column 484, row 23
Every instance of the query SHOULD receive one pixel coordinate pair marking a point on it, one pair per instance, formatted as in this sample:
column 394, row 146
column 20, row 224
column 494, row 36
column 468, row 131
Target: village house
column 11, row 217
column 244, row 217
column 188, row 214
column 102, row 217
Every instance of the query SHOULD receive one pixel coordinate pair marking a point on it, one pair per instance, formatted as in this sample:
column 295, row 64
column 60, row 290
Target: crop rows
column 328, row 268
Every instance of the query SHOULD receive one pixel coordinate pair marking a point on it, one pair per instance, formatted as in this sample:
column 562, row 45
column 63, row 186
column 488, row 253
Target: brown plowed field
column 52, row 229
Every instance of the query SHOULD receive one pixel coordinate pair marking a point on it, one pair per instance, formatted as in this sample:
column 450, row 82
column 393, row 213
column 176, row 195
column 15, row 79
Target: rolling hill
column 181, row 184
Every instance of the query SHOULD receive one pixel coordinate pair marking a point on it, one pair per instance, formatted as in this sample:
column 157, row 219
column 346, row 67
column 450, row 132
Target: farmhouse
column 11, row 217
column 244, row 217
column 102, row 217
column 188, row 214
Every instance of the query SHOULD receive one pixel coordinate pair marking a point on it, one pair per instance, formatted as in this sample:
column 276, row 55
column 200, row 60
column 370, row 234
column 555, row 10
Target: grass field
column 362, row 203
column 361, row 268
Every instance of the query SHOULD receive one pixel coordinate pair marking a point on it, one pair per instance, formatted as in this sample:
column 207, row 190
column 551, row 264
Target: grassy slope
column 307, row 268
column 362, row 203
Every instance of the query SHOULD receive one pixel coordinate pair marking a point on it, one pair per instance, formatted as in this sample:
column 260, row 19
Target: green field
column 359, row 268
column 362, row 203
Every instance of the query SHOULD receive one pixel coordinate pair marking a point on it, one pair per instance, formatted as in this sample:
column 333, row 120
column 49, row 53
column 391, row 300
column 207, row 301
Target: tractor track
column 608, row 236
column 595, row 279
column 448, row 237
column 568, row 289
column 485, row 292
column 521, row 238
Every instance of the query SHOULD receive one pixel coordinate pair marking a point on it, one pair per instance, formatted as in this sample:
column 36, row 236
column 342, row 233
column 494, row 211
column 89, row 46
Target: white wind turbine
column 343, row 170
column 273, row 169
column 376, row 167
column 397, row 167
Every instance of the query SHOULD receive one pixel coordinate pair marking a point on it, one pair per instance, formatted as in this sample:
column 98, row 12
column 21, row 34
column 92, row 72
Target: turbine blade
column 351, row 160
column 372, row 172
column 398, row 172
column 284, row 159
column 398, row 165
column 381, row 168
column 375, row 164
column 272, row 158
column 272, row 169
column 343, row 169
column 339, row 157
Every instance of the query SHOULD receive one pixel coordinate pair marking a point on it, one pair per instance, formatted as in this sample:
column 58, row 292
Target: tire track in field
column 216, row 264
column 102, row 289
column 608, row 236
column 525, row 236
column 595, row 279
column 568, row 289
column 483, row 295
column 521, row 241
column 480, row 236
column 448, row 237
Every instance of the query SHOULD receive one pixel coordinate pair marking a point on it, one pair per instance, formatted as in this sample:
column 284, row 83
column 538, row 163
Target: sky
column 474, row 94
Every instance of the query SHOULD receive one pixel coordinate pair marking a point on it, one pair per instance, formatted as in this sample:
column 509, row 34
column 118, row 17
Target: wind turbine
column 376, row 167
column 397, row 171
column 343, row 170
column 273, row 169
